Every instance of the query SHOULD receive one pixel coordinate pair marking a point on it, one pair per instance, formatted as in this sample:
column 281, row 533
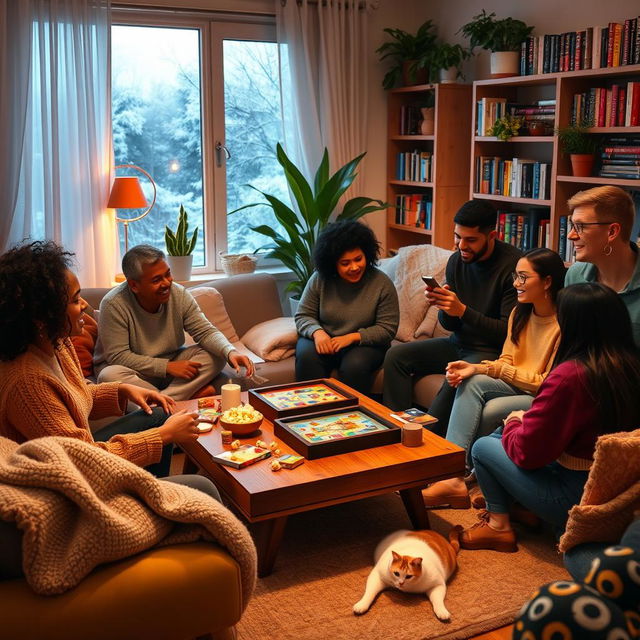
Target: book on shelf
column 612, row 45
column 487, row 112
column 515, row 178
column 414, row 166
column 413, row 210
column 523, row 229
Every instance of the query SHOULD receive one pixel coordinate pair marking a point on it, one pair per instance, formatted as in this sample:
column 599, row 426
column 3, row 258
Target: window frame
column 213, row 30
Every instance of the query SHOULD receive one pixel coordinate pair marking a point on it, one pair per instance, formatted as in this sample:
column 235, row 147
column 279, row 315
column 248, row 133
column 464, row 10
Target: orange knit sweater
column 35, row 403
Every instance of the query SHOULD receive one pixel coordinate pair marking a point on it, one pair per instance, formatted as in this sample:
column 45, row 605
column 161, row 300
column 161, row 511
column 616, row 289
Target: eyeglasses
column 520, row 278
column 578, row 227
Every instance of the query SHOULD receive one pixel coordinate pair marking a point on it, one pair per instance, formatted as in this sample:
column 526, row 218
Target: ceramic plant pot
column 180, row 267
column 582, row 164
column 449, row 76
column 505, row 64
column 418, row 76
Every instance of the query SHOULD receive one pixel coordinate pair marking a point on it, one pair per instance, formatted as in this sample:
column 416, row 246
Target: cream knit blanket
column 79, row 506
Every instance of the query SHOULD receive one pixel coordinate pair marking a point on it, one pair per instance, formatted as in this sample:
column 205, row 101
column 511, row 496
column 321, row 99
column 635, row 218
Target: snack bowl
column 241, row 428
column 237, row 420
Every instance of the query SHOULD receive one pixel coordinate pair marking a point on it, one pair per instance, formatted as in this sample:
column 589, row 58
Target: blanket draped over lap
column 79, row 506
column 611, row 495
column 413, row 263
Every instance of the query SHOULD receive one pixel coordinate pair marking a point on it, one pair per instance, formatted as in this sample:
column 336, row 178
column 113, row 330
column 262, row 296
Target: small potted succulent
column 410, row 54
column 447, row 59
column 576, row 142
column 179, row 248
column 502, row 37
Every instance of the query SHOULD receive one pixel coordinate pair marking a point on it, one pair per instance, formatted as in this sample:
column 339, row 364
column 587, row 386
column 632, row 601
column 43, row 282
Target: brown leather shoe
column 477, row 499
column 523, row 516
column 444, row 494
column 482, row 536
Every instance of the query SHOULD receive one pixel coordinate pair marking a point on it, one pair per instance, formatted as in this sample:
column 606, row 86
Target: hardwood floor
column 504, row 633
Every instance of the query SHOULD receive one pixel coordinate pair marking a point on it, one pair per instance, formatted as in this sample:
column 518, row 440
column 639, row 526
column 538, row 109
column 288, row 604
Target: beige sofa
column 254, row 309
column 251, row 302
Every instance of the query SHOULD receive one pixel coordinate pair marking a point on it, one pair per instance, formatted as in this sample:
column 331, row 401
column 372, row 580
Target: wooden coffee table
column 266, row 498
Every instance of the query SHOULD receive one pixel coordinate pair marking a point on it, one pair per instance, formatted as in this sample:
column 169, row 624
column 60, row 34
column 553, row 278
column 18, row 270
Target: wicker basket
column 232, row 264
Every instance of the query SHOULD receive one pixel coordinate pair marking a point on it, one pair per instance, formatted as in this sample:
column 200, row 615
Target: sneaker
column 482, row 536
column 446, row 494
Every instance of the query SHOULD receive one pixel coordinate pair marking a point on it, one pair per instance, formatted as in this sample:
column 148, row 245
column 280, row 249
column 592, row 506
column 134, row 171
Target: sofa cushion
column 272, row 340
column 212, row 305
column 85, row 343
column 412, row 263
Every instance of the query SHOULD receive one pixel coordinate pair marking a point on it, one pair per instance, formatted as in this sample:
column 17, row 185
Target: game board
column 300, row 398
column 333, row 432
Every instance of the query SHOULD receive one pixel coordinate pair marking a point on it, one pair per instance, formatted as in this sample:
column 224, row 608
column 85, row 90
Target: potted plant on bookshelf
column 502, row 37
column 506, row 127
column 447, row 59
column 580, row 146
column 410, row 54
column 316, row 205
column 179, row 249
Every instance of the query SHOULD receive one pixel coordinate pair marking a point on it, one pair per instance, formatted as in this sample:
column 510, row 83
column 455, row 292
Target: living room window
column 196, row 103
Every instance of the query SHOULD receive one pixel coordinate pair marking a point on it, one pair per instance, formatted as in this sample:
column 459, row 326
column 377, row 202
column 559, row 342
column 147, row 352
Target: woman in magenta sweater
column 541, row 459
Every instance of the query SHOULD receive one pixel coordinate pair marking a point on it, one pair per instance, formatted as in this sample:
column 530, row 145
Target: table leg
column 414, row 504
column 268, row 535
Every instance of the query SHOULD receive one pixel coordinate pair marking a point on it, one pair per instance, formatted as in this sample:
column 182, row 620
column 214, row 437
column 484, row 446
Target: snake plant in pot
column 316, row 205
column 180, row 248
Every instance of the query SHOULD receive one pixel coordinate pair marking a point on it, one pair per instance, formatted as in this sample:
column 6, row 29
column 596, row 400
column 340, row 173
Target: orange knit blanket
column 611, row 494
column 79, row 506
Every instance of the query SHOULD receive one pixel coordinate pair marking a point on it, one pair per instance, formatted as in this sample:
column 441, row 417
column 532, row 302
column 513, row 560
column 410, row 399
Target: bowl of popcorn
column 241, row 421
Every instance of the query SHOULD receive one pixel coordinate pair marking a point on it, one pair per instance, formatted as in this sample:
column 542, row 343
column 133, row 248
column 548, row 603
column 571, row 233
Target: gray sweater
column 369, row 307
column 145, row 342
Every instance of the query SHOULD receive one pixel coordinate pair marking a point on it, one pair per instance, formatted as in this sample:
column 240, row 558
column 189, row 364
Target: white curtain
column 323, row 45
column 56, row 130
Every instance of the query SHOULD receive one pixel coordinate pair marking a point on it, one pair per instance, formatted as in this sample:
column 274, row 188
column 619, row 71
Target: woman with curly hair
column 42, row 388
column 348, row 313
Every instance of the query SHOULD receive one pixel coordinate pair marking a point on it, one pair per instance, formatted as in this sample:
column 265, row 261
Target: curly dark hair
column 339, row 237
column 33, row 296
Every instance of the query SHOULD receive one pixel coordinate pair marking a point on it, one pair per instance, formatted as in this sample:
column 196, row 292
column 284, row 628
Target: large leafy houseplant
column 486, row 32
column 316, row 204
column 404, row 48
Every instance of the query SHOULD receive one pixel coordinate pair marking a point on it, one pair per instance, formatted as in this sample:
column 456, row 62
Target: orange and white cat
column 415, row 562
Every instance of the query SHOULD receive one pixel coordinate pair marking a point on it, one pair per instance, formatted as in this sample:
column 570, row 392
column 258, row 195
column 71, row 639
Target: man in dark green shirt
column 474, row 304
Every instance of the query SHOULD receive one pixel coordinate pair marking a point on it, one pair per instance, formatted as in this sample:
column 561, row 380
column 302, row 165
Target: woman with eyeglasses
column 600, row 229
column 541, row 459
column 488, row 391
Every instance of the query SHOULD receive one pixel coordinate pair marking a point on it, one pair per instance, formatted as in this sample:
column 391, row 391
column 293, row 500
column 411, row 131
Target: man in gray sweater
column 141, row 332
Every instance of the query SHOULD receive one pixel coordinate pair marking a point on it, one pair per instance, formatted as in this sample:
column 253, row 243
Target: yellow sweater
column 526, row 365
column 35, row 402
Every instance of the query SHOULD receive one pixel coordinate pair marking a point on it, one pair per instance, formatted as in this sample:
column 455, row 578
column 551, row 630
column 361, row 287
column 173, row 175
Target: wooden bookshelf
column 449, row 146
column 529, row 89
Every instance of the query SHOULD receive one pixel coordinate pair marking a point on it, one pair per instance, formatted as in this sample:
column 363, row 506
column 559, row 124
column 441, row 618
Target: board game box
column 242, row 457
column 333, row 432
column 311, row 396
column 414, row 415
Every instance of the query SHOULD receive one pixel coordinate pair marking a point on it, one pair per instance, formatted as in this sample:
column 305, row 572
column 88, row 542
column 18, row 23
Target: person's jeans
column 356, row 364
column 549, row 491
column 481, row 402
column 406, row 362
column 134, row 423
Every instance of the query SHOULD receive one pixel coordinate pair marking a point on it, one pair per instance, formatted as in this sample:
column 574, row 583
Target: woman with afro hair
column 348, row 312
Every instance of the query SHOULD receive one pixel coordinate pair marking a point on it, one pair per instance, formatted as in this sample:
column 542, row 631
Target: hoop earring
column 607, row 253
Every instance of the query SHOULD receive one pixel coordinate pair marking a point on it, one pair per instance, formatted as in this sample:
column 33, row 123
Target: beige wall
column 548, row 16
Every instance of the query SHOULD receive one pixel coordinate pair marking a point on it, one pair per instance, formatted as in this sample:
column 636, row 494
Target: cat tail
column 454, row 537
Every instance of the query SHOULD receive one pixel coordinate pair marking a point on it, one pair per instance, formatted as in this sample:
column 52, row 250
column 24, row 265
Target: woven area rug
column 326, row 556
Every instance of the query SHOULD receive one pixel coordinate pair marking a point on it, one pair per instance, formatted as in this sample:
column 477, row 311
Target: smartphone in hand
column 430, row 281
